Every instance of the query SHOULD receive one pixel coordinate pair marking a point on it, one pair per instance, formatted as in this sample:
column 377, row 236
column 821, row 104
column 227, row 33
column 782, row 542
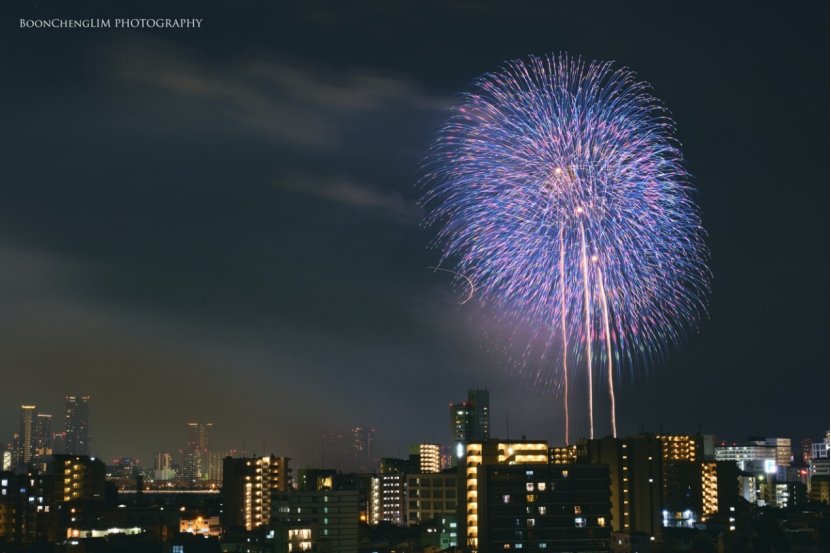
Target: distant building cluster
column 477, row 493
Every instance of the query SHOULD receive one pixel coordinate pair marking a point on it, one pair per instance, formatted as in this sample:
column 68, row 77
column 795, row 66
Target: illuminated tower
column 429, row 458
column 42, row 435
column 193, row 456
column 77, row 426
column 363, row 447
column 470, row 421
column 25, row 438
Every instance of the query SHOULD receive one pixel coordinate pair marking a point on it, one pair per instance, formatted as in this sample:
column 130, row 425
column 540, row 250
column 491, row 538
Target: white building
column 820, row 451
column 747, row 456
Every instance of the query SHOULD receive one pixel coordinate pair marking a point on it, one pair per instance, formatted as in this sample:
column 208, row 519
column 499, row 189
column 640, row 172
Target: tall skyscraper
column 199, row 436
column 362, row 447
column 470, row 421
column 42, row 435
column 194, row 454
column 77, row 426
column 25, row 435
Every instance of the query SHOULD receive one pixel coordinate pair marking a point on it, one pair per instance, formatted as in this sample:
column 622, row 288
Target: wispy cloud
column 287, row 98
column 346, row 190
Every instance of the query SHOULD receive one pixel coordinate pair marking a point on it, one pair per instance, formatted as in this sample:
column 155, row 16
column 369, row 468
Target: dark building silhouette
column 470, row 421
column 77, row 441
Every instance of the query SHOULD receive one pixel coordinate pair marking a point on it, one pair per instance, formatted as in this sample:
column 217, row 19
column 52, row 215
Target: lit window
column 579, row 522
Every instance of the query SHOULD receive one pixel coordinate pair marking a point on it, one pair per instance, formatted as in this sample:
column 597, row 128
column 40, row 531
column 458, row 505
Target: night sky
column 221, row 224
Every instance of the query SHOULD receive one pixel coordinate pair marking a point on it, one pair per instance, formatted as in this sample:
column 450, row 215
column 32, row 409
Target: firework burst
column 562, row 196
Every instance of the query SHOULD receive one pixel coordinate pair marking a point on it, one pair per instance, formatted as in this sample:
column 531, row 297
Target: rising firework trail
column 561, row 195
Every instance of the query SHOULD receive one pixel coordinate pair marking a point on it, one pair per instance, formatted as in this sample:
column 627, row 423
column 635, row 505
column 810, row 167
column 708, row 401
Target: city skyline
column 339, row 450
column 221, row 224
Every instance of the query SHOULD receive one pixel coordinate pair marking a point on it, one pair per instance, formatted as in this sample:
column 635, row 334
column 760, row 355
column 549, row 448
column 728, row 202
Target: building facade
column 331, row 516
column 635, row 466
column 248, row 484
column 543, row 507
column 431, row 495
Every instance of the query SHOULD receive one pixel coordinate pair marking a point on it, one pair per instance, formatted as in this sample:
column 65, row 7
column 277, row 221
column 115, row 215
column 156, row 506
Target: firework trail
column 561, row 195
column 469, row 282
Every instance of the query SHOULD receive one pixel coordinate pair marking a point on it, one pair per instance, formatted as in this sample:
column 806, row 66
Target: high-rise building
column 42, row 436
column 698, row 490
column 392, row 489
column 473, row 457
column 806, row 450
column 362, row 448
column 248, row 484
column 429, row 456
column 59, row 442
column 162, row 461
column 821, row 450
column 25, row 435
column 688, row 481
column 199, row 436
column 163, row 466
column 193, row 458
column 542, row 507
column 334, row 516
column 431, row 495
column 635, row 467
column 125, row 467
column 748, row 456
column 6, row 458
column 566, row 455
column 819, row 489
column 77, row 426
column 26, row 502
column 79, row 477
column 470, row 421
column 212, row 464
column 782, row 446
